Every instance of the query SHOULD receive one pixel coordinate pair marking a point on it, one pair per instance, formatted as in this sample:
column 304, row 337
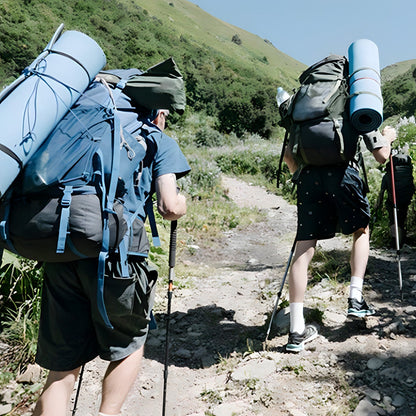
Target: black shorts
column 330, row 200
column 72, row 331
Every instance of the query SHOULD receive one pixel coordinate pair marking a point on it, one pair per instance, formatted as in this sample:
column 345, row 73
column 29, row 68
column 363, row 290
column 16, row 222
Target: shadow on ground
column 201, row 336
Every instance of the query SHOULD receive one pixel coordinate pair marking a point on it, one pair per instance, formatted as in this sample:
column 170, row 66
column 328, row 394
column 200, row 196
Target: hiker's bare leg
column 298, row 275
column 358, row 261
column 360, row 251
column 57, row 393
column 118, row 379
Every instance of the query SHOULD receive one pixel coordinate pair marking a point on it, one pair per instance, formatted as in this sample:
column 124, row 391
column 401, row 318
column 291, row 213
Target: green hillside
column 392, row 71
column 399, row 89
column 230, row 74
column 190, row 20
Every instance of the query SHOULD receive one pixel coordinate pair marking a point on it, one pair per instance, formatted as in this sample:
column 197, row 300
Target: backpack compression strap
column 125, row 243
column 63, row 223
column 152, row 222
column 108, row 205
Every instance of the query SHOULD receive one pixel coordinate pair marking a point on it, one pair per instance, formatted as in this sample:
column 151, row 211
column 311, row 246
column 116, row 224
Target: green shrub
column 20, row 285
column 20, row 280
column 202, row 180
column 208, row 137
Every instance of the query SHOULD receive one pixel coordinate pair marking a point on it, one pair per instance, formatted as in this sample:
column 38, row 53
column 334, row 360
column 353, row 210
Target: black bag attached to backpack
column 317, row 117
column 403, row 180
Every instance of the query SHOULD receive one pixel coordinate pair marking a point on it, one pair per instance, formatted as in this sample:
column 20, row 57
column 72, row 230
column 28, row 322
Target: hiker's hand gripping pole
column 279, row 294
column 396, row 226
column 172, row 259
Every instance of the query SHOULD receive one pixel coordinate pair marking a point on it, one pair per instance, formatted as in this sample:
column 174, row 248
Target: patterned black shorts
column 330, row 200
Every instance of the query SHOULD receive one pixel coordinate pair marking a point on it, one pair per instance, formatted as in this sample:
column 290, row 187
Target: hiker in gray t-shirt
column 331, row 199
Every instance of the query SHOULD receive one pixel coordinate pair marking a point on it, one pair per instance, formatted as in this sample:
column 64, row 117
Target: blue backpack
column 76, row 198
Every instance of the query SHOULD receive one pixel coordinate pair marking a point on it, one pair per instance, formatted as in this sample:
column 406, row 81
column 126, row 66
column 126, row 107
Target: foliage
column 209, row 137
column 398, row 69
column 20, row 279
column 234, row 91
column 329, row 265
column 210, row 210
column 315, row 316
column 20, row 288
column 399, row 94
column 251, row 157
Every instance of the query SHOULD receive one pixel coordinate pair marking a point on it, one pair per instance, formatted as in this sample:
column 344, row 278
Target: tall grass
column 20, row 289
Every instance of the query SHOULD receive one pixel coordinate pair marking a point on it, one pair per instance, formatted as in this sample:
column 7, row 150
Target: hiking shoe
column 359, row 309
column 297, row 341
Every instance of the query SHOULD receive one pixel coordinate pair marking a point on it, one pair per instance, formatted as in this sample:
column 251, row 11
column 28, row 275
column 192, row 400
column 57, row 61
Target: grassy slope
column 392, row 71
column 33, row 24
column 189, row 19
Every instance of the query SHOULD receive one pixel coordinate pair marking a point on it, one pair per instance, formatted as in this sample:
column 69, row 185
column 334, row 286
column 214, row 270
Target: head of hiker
column 73, row 329
column 331, row 195
column 160, row 119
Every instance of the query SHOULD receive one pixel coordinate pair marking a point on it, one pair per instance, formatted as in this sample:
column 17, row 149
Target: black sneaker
column 359, row 309
column 297, row 341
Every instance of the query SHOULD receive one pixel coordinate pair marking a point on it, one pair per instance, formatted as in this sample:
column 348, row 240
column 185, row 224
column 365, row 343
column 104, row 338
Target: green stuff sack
column 159, row 87
column 316, row 117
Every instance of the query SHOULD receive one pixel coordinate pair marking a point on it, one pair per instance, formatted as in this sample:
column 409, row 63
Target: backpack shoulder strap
column 108, row 200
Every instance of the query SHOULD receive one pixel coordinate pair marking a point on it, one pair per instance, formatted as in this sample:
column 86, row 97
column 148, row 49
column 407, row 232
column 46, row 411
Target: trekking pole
column 279, row 294
column 172, row 257
column 78, row 390
column 396, row 227
column 282, row 154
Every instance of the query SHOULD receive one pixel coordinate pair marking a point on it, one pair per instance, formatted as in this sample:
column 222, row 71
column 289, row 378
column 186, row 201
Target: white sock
column 105, row 414
column 356, row 288
column 297, row 323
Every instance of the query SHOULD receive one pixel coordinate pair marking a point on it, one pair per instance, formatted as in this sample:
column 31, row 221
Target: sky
column 310, row 30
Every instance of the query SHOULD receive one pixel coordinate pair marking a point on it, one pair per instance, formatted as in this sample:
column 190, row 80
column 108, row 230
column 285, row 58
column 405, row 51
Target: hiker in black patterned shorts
column 331, row 199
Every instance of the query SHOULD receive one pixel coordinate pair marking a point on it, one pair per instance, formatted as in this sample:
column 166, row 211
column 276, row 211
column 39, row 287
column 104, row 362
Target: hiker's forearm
column 173, row 210
column 290, row 161
column 170, row 204
column 383, row 153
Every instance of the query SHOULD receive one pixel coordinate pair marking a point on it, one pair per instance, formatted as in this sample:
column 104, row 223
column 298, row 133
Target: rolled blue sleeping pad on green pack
column 366, row 103
column 35, row 102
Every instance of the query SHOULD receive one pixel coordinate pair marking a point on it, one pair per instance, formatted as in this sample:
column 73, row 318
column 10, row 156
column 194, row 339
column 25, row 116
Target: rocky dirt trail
column 218, row 362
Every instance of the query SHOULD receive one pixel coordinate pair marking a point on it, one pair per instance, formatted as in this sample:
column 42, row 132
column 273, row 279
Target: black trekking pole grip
column 172, row 244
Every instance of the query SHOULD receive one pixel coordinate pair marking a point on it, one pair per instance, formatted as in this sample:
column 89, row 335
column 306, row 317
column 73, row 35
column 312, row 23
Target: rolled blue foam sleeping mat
column 34, row 103
column 366, row 103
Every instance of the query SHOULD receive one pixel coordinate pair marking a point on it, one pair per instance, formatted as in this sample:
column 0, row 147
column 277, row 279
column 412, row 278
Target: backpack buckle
column 67, row 197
